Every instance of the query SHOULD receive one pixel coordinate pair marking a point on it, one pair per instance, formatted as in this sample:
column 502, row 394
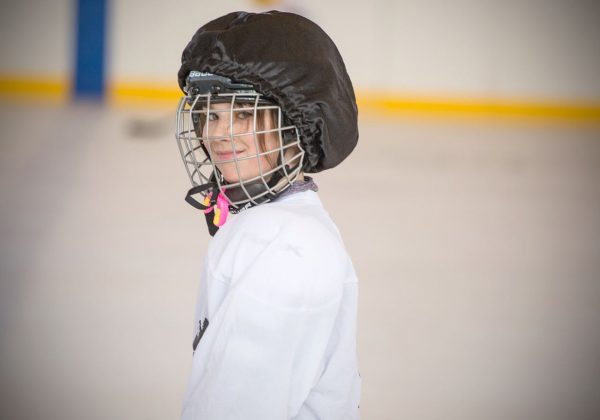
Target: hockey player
column 268, row 99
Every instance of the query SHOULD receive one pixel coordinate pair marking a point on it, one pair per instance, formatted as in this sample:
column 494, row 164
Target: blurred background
column 478, row 165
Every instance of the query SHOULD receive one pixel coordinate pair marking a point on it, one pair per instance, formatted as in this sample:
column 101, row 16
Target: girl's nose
column 220, row 127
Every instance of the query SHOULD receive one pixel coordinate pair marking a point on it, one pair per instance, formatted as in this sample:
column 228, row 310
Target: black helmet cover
column 291, row 61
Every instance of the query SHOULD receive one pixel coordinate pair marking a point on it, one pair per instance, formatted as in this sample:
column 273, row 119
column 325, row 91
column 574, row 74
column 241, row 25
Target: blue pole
column 90, row 49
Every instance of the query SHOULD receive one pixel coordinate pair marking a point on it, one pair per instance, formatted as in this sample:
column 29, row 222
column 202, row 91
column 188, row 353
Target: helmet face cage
column 273, row 169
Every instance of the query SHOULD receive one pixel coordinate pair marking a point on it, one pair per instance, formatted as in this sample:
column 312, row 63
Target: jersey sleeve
column 270, row 336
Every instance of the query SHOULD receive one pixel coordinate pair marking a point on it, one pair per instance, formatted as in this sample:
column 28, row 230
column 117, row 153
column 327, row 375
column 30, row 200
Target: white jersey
column 275, row 334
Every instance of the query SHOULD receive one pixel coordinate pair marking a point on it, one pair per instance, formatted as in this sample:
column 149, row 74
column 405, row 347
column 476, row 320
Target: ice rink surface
column 477, row 245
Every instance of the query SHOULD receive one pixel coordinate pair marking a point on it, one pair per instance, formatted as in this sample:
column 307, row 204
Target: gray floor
column 477, row 245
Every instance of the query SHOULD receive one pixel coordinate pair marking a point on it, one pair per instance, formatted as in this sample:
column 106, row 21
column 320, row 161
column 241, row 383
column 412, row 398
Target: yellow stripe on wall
column 151, row 94
column 124, row 94
column 397, row 105
column 56, row 89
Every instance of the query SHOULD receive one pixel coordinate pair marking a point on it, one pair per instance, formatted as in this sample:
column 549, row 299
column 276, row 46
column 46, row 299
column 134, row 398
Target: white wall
column 36, row 37
column 529, row 49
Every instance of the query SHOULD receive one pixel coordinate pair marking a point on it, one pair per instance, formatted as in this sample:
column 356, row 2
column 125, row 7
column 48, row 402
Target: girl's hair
column 268, row 121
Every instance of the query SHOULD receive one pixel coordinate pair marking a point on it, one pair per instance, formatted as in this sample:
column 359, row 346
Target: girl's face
column 226, row 147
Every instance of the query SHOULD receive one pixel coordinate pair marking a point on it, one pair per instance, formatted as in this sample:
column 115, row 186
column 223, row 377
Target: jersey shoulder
column 289, row 250
column 301, row 219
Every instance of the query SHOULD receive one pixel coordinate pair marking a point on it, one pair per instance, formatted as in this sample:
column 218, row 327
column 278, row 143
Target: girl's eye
column 242, row 115
column 212, row 116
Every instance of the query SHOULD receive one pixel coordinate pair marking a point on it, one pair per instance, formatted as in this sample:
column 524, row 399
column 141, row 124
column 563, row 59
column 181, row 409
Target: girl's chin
column 229, row 172
column 233, row 178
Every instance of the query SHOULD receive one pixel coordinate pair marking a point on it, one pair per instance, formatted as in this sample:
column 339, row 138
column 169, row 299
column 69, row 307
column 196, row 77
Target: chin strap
column 214, row 206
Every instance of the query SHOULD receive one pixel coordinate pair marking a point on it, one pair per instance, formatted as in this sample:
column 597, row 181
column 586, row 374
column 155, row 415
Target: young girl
column 268, row 99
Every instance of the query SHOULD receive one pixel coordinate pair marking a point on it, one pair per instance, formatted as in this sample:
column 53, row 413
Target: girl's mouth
column 227, row 154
